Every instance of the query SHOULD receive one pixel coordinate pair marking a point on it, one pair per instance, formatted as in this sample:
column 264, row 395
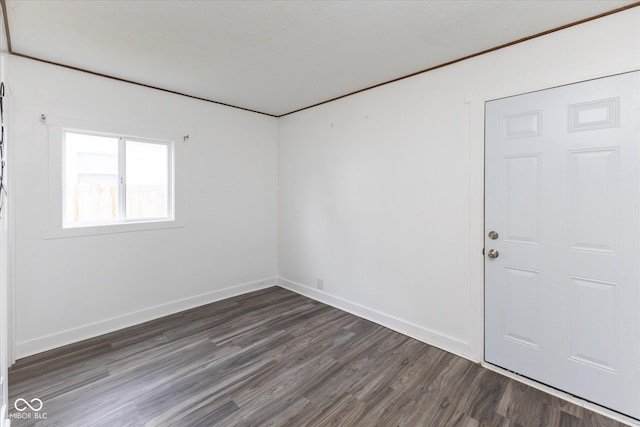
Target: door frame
column 7, row 250
column 475, row 100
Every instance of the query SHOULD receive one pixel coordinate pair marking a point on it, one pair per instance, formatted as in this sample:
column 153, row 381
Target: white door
column 562, row 187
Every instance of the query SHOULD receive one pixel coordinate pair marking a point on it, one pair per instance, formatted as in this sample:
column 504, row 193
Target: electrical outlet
column 320, row 284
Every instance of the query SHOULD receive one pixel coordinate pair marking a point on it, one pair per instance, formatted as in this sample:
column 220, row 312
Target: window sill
column 63, row 233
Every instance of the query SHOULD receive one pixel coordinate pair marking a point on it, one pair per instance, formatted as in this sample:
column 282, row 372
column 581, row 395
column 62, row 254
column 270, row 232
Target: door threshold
column 617, row 416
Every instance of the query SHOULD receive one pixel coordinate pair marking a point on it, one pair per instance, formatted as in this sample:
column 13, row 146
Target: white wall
column 381, row 193
column 72, row 288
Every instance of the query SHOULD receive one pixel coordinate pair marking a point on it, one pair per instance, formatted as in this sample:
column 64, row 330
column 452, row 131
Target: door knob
column 493, row 253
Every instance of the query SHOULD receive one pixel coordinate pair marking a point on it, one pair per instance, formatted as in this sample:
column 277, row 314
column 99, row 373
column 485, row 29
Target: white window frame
column 56, row 228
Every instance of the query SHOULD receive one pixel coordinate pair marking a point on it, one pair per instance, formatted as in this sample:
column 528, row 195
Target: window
column 112, row 179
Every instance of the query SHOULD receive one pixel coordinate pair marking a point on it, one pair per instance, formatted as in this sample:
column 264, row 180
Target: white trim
column 436, row 339
column 11, row 232
column 476, row 235
column 564, row 396
column 48, row 342
column 4, row 417
column 62, row 233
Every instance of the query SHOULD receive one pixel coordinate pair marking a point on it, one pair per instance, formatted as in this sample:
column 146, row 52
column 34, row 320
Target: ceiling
column 276, row 57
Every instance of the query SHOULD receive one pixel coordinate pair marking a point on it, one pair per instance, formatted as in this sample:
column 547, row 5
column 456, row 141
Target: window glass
column 91, row 179
column 114, row 179
column 147, row 180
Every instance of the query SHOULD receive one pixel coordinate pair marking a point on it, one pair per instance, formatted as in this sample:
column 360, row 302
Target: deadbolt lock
column 493, row 235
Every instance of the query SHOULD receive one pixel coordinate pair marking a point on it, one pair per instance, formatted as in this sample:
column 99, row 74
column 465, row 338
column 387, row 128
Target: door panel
column 593, row 181
column 521, row 307
column 522, row 195
column 562, row 192
column 592, row 326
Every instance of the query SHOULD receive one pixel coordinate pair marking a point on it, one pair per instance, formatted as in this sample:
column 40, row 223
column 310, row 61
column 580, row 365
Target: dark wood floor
column 274, row 358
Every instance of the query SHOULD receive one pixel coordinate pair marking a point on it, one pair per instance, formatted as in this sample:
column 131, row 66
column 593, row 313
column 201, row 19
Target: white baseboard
column 436, row 339
column 48, row 342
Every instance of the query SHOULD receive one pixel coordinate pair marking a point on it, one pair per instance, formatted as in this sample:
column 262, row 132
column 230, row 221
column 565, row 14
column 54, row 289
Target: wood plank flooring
column 273, row 358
